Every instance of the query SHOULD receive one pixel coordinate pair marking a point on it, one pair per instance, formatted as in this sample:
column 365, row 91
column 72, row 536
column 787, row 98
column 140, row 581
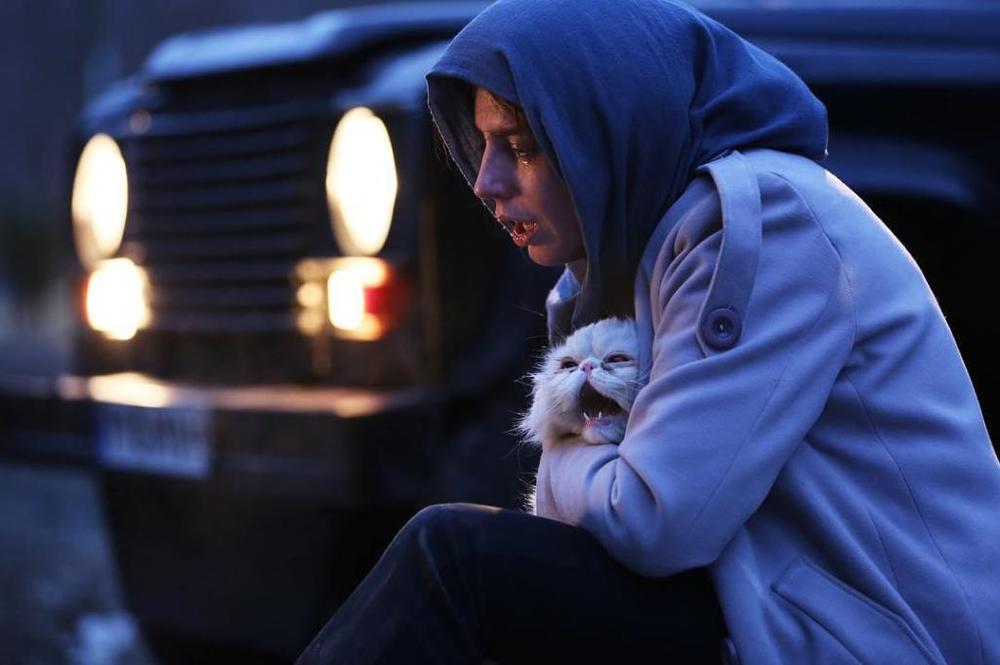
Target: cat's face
column 585, row 387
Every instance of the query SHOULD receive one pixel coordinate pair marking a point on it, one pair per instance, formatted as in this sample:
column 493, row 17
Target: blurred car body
column 268, row 389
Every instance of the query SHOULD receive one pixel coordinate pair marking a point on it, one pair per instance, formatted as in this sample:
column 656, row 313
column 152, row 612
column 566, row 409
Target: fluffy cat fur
column 583, row 389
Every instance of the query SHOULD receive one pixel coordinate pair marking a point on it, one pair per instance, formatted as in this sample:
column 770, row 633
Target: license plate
column 173, row 441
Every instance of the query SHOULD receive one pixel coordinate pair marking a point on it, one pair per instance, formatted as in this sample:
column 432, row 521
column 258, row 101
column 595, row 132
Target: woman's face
column 530, row 197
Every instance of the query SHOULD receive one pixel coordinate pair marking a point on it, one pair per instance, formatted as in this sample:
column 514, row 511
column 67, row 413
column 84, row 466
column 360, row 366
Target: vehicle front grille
column 222, row 204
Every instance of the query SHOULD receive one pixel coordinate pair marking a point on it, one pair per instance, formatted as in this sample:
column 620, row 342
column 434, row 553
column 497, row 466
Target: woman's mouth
column 521, row 232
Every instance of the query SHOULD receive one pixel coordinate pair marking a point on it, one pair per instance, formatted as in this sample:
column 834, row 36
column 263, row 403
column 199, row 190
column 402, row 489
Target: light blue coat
column 808, row 430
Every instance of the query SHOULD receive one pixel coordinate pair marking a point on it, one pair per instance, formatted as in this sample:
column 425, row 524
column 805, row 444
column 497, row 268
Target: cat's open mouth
column 595, row 405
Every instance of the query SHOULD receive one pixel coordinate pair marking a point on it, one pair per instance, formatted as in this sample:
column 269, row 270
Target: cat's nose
column 587, row 367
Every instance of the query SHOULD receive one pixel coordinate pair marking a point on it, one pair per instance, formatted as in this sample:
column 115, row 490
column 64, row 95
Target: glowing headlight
column 361, row 182
column 100, row 200
column 116, row 298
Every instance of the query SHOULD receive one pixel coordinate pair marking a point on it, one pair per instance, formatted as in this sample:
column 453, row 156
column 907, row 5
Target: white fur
column 556, row 416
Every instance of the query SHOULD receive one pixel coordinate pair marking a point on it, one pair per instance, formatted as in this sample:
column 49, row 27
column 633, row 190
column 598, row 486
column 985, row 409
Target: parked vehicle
column 297, row 325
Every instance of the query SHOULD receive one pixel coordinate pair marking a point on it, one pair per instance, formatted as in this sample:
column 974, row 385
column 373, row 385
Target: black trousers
column 463, row 583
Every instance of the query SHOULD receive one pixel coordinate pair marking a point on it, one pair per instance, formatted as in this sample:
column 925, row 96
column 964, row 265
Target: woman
column 808, row 437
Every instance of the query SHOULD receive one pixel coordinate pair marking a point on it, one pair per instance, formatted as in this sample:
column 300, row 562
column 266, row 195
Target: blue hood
column 627, row 98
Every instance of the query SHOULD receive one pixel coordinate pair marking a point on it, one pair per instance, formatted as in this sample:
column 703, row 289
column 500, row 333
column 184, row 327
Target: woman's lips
column 521, row 232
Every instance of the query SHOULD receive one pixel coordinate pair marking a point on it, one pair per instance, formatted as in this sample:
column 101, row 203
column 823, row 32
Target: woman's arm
column 708, row 435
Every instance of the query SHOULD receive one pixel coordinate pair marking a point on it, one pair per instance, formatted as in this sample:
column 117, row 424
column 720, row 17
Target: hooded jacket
column 807, row 429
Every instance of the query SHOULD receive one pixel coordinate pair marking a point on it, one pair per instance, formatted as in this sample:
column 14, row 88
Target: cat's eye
column 618, row 358
column 567, row 363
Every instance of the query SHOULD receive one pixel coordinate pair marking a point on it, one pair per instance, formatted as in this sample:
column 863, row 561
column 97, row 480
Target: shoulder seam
column 840, row 259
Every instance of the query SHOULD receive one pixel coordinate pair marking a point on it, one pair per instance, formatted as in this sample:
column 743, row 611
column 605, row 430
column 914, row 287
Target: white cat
column 583, row 389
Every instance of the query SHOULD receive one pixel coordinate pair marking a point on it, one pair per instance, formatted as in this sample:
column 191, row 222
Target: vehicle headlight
column 116, row 298
column 361, row 182
column 100, row 200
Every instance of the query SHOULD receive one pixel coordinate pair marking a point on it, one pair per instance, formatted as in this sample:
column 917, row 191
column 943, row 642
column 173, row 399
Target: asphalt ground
column 60, row 603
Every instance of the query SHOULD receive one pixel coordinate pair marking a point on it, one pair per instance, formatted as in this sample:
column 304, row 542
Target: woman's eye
column 523, row 152
column 567, row 363
column 618, row 358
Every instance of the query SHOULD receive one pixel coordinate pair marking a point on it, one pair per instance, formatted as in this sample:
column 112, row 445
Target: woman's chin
column 552, row 254
column 540, row 256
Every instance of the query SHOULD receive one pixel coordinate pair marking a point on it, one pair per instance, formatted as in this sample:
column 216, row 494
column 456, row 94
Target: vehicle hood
column 325, row 35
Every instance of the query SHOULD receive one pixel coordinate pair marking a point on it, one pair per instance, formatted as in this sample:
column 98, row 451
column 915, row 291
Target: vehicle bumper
column 301, row 490
column 348, row 447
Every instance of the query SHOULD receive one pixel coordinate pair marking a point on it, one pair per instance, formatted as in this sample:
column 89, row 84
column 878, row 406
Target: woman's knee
column 447, row 527
column 451, row 517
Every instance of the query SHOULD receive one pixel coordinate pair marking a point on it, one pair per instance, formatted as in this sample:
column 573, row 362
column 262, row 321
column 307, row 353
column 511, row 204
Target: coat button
column 721, row 328
column 728, row 653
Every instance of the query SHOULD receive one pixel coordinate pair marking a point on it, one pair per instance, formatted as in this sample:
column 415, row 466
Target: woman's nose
column 492, row 181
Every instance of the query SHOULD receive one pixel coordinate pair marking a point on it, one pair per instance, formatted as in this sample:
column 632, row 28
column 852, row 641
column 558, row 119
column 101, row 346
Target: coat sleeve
column 709, row 434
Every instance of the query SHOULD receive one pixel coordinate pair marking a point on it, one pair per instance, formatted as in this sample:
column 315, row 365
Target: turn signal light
column 353, row 298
